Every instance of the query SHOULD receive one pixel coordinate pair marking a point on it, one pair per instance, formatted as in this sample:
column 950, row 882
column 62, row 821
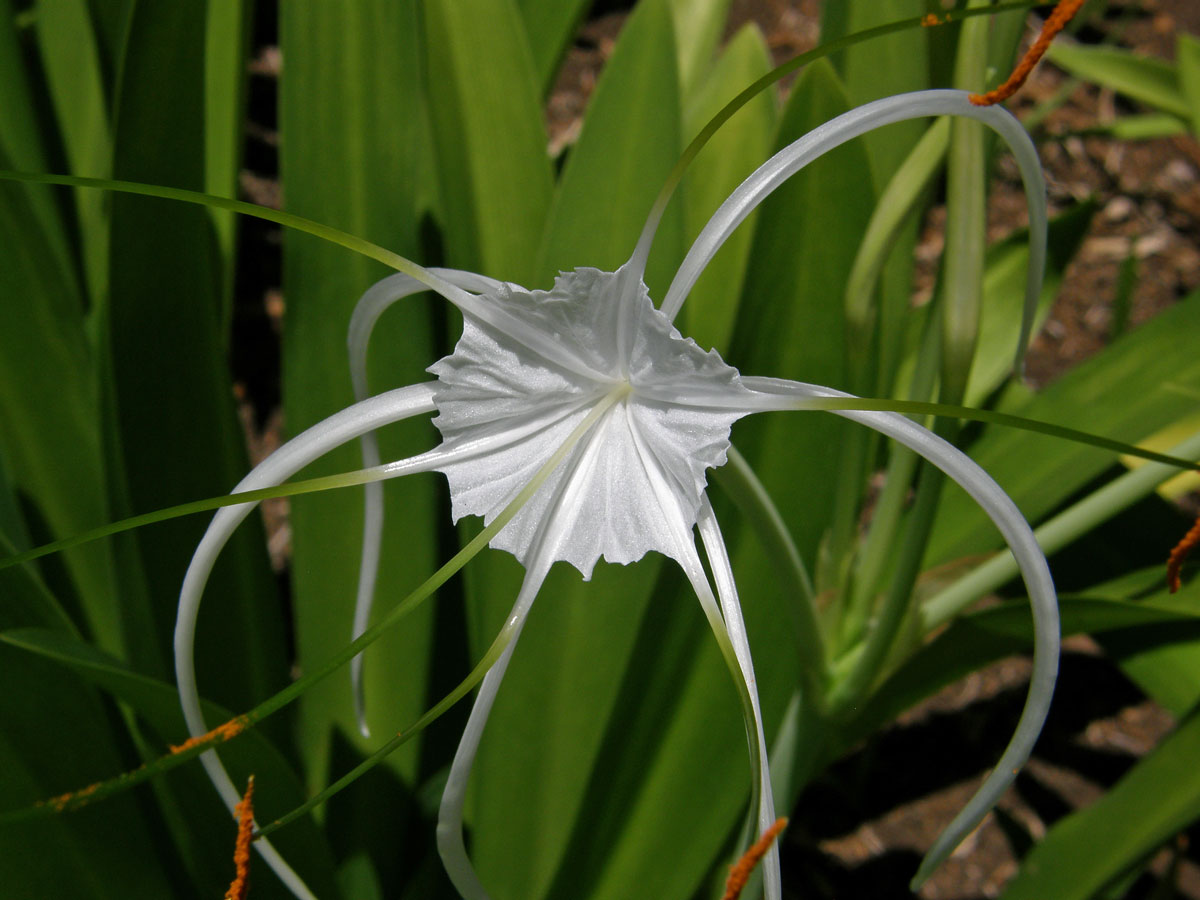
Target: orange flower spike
column 1056, row 22
column 1175, row 561
column 226, row 731
column 241, row 850
column 739, row 874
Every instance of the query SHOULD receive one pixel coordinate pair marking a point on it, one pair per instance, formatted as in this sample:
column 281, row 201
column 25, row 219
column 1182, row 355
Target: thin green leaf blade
column 801, row 256
column 353, row 131
column 1140, row 384
column 1152, row 81
column 277, row 788
column 741, row 145
column 1094, row 847
column 71, row 60
column 174, row 431
column 630, row 141
column 550, row 25
column 493, row 168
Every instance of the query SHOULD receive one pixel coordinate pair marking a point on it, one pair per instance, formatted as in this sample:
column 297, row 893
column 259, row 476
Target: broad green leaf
column 277, row 789
column 1094, row 847
column 790, row 321
column 630, row 140
column 1144, row 78
column 879, row 68
column 1187, row 58
column 698, row 28
column 226, row 46
column 71, row 61
column 1145, row 127
column 493, row 167
column 1004, row 292
column 55, row 736
column 111, row 18
column 742, row 144
column 174, row 432
column 549, row 26
column 46, row 364
column 977, row 639
column 22, row 145
column 1165, row 665
column 673, row 778
column 352, row 130
column 1145, row 380
column 27, row 599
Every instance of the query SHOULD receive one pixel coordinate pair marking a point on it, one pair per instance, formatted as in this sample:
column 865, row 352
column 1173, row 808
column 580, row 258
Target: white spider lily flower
column 586, row 405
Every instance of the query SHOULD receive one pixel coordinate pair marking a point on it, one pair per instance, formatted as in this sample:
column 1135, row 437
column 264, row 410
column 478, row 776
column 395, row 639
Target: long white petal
column 738, row 661
column 1034, row 570
column 731, row 608
column 568, row 499
column 292, row 456
column 835, row 132
column 451, row 846
column 370, row 306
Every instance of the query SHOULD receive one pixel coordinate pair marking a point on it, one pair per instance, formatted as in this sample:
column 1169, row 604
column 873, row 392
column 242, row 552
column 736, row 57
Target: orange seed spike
column 1055, row 22
column 241, row 851
column 739, row 874
column 1175, row 561
column 226, row 731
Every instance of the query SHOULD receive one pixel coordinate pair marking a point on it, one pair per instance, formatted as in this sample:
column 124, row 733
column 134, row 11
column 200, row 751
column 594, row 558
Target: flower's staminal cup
column 588, row 402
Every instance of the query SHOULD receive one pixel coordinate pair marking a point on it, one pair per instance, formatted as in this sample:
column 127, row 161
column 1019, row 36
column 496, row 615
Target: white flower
column 583, row 409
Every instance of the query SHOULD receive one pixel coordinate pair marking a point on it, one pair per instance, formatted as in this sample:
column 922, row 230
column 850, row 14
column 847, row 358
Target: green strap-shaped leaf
column 630, row 140
column 1140, row 384
column 174, row 434
column 46, row 365
column 790, row 321
column 226, row 47
column 21, row 141
column 71, row 60
column 735, row 151
column 698, row 28
column 1144, row 78
column 1091, row 849
column 492, row 164
column 1187, row 58
column 352, row 130
column 550, row 25
column 977, row 639
column 56, row 735
column 277, row 788
column 1003, row 296
column 890, row 65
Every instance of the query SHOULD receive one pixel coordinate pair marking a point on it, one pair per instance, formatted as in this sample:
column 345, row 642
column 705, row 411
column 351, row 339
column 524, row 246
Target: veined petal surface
column 620, row 343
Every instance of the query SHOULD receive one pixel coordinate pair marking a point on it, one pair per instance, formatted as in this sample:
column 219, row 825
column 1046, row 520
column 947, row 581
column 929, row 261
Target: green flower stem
column 1055, row 534
column 961, row 287
column 502, row 640
column 881, row 634
column 881, row 539
column 894, row 209
column 291, row 489
column 738, row 479
column 729, row 655
column 865, row 346
column 288, row 220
